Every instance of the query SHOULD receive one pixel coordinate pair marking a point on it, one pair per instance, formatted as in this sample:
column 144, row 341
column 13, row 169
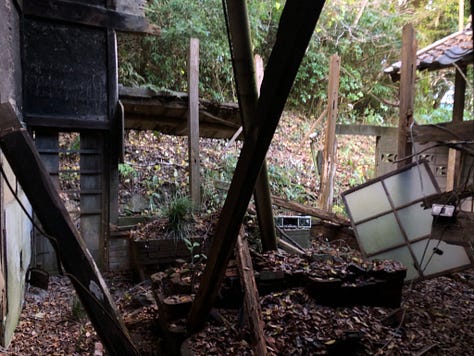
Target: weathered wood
column 22, row 156
column 46, row 142
column 193, row 122
column 449, row 131
column 453, row 169
column 329, row 152
column 365, row 130
column 459, row 94
column 92, row 204
column 454, row 157
column 407, row 92
column 251, row 297
column 289, row 247
column 167, row 113
column 66, row 123
column 308, row 210
column 297, row 24
column 88, row 15
column 248, row 91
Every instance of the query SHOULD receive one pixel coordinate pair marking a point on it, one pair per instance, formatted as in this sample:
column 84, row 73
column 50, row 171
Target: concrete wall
column 15, row 238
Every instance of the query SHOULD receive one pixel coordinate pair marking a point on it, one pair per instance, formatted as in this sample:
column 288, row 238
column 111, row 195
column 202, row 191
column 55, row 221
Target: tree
column 366, row 35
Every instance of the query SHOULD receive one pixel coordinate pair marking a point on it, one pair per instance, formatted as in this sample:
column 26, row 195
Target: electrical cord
column 51, row 239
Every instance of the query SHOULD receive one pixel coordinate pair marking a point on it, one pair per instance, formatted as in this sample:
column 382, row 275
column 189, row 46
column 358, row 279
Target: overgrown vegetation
column 366, row 35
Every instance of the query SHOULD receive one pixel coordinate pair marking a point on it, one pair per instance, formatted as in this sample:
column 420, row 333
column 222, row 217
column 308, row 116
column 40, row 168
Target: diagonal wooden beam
column 296, row 26
column 19, row 149
column 245, row 78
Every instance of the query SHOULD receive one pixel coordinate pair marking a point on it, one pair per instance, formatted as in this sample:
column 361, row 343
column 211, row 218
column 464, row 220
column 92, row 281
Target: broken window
column 390, row 222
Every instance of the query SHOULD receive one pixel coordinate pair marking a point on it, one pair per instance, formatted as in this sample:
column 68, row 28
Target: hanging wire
column 54, row 243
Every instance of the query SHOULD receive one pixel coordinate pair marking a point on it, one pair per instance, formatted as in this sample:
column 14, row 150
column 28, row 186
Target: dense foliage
column 365, row 34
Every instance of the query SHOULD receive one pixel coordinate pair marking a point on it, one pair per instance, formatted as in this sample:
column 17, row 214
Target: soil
column 435, row 318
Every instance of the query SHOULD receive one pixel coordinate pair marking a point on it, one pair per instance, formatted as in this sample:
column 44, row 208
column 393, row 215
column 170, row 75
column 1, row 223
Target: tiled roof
column 455, row 48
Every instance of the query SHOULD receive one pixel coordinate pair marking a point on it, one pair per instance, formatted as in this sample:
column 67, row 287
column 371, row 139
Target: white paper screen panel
column 390, row 222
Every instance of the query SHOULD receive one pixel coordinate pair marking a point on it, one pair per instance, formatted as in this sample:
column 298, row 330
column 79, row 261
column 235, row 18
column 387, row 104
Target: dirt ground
column 436, row 318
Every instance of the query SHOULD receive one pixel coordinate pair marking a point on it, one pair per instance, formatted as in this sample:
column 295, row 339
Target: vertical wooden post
column 407, row 92
column 247, row 89
column 329, row 155
column 193, row 122
column 461, row 15
column 454, row 157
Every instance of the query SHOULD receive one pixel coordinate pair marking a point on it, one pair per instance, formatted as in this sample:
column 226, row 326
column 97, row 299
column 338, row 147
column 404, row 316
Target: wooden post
column 454, row 157
column 193, row 122
column 251, row 297
column 329, row 155
column 248, row 92
column 296, row 27
column 407, row 92
column 461, row 15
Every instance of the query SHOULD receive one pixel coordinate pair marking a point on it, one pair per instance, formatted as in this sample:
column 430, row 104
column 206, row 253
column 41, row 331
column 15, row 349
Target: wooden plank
column 248, row 92
column 453, row 169
column 450, row 131
column 407, row 92
column 329, row 152
column 88, row 15
column 454, row 157
column 308, row 210
column 93, row 210
column 44, row 255
column 459, row 94
column 22, row 156
column 193, row 123
column 251, row 297
column 365, row 130
column 296, row 27
column 66, row 123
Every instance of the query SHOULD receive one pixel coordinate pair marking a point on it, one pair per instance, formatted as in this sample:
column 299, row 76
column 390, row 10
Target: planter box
column 156, row 252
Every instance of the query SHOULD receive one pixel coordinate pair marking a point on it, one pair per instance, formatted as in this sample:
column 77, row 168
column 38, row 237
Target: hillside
column 155, row 166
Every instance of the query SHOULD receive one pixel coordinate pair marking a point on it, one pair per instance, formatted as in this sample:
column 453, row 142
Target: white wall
column 15, row 228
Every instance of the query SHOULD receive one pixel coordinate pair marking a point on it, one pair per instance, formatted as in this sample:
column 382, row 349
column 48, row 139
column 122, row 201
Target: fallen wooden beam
column 308, row 210
column 251, row 297
column 296, row 27
column 19, row 150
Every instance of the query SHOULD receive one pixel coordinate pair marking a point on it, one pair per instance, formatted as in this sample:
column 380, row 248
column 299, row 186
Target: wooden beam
column 407, row 92
column 365, row 130
column 459, row 94
column 447, row 131
column 19, row 149
column 329, row 152
column 251, row 297
column 88, row 15
column 296, row 27
column 66, row 123
column 193, row 122
column 247, row 91
column 308, row 210
column 454, row 157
